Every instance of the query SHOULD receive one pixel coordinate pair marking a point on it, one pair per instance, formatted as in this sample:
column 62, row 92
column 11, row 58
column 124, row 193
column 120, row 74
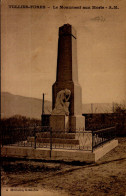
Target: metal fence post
column 10, row 135
column 50, row 141
column 2, row 139
column 35, row 136
column 115, row 130
column 92, row 140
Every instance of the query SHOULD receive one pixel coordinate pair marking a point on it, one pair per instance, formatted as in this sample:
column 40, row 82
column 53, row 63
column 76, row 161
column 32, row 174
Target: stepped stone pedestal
column 57, row 138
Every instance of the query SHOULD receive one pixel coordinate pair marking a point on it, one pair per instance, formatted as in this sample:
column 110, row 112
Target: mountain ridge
column 32, row 107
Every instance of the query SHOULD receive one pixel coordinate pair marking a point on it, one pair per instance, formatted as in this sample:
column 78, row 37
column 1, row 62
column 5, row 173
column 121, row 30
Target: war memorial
column 64, row 136
column 66, row 91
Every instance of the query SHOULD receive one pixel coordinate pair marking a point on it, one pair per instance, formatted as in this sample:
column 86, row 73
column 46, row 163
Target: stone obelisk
column 67, row 75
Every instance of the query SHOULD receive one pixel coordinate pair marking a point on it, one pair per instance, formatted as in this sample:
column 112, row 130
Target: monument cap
column 67, row 29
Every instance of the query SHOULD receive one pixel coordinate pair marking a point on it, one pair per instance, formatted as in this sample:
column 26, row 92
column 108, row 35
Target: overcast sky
column 30, row 41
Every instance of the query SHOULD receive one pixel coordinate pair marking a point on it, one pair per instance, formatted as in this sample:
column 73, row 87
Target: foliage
column 119, row 108
column 19, row 121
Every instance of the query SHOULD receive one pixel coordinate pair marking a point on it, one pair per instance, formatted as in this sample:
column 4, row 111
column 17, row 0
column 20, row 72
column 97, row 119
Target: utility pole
column 42, row 110
column 92, row 108
column 113, row 107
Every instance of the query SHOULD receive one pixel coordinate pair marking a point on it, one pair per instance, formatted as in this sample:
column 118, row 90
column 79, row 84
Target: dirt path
column 106, row 177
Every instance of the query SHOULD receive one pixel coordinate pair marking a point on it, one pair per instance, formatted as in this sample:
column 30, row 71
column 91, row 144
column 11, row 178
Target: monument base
column 58, row 154
column 77, row 123
column 67, row 123
column 59, row 122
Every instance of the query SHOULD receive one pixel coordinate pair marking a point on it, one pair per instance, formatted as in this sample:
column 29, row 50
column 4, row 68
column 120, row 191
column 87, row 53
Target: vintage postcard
column 63, row 97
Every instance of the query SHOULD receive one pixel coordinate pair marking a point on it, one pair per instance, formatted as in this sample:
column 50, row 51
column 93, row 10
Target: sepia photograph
column 63, row 98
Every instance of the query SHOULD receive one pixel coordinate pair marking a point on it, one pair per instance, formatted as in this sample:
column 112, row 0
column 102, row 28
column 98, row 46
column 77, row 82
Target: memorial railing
column 103, row 136
column 45, row 137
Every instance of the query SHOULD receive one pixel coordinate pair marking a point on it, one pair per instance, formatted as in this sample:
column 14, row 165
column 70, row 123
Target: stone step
column 54, row 140
column 56, row 135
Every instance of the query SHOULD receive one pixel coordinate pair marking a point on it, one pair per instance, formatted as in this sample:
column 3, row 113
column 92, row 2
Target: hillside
column 32, row 107
column 26, row 106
